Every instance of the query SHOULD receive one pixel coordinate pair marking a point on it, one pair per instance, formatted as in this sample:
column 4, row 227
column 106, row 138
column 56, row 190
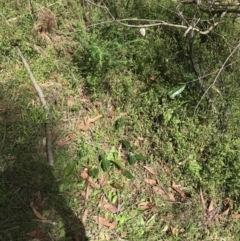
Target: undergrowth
column 151, row 165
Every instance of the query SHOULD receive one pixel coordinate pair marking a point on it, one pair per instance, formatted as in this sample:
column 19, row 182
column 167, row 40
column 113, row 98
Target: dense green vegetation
column 165, row 138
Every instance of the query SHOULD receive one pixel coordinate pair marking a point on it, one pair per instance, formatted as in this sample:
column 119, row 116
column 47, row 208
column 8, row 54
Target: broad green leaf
column 128, row 174
column 140, row 157
column 132, row 158
column 178, row 90
column 119, row 123
column 69, row 168
column 105, row 163
column 93, row 172
column 117, row 186
column 126, row 144
column 118, row 163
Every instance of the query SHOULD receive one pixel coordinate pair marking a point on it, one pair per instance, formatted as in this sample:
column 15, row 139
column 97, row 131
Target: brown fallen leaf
column 151, row 170
column 103, row 181
column 84, row 125
column 38, row 234
column 92, row 183
column 210, row 207
column 71, row 136
column 168, row 170
column 110, row 208
column 145, row 205
column 101, row 201
column 160, row 191
column 177, row 230
column 87, row 192
column 95, row 118
column 150, row 181
column 171, row 196
column 225, row 213
column 236, row 216
column 84, row 174
column 104, row 222
column 37, row 214
column 175, row 188
column 70, row 103
column 111, row 112
column 84, row 216
column 61, row 143
column 165, row 228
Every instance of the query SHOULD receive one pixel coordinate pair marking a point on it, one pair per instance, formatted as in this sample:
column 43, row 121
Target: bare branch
column 155, row 23
column 158, row 23
column 218, row 74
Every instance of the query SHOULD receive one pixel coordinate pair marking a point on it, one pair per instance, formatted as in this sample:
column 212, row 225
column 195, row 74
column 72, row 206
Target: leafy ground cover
column 134, row 159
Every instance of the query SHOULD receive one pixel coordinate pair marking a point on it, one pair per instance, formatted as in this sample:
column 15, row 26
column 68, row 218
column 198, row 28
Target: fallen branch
column 46, row 108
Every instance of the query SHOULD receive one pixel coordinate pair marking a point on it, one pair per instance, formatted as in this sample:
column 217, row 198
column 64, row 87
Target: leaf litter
column 105, row 222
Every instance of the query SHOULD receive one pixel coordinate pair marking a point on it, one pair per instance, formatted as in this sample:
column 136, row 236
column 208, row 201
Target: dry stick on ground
column 46, row 108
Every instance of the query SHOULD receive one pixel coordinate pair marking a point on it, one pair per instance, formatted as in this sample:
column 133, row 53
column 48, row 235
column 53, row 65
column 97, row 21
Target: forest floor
column 114, row 177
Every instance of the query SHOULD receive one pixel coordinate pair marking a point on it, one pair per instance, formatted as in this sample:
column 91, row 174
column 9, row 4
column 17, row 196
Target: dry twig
column 218, row 74
column 46, row 108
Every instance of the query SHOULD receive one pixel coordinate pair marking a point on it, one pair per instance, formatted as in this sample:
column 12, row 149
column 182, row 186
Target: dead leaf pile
column 211, row 214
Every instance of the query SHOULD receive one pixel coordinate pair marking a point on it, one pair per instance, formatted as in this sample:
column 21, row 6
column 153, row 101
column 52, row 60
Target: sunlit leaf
column 105, row 163
column 178, row 90
column 118, row 163
column 69, row 168
column 128, row 174
column 132, row 158
column 141, row 157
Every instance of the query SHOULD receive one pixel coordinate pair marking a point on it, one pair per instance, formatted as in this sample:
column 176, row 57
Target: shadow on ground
column 27, row 183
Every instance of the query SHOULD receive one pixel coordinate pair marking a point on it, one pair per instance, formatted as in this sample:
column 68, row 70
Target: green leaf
column 117, row 186
column 118, row 163
column 128, row 174
column 93, row 172
column 178, row 90
column 105, row 163
column 69, row 168
column 126, row 144
column 141, row 157
column 119, row 123
column 132, row 158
